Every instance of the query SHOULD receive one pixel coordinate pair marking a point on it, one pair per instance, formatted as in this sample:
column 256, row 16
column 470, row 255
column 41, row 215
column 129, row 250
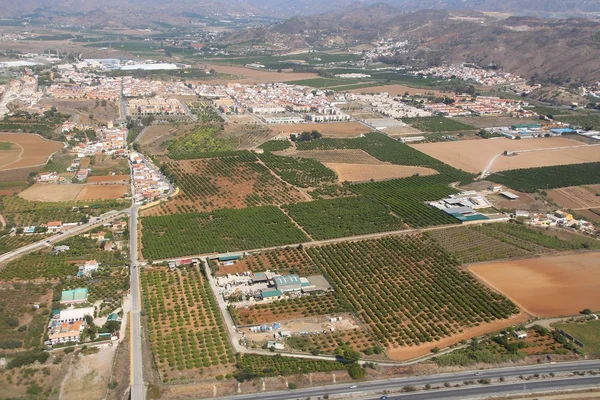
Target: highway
column 138, row 389
column 477, row 391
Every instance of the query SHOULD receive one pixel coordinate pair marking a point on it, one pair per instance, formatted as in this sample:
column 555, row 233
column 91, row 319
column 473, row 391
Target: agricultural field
column 328, row 343
column 577, row 197
column 532, row 179
column 187, row 334
column 289, row 260
column 22, row 327
column 47, row 266
column 20, row 212
column 204, row 111
column 107, row 165
column 9, row 243
column 410, row 293
column 276, row 145
column 327, row 219
column 357, row 173
column 302, row 172
column 499, row 241
column 388, row 150
column 535, row 240
column 589, row 121
column 26, row 151
column 251, row 366
column 55, row 192
column 217, row 231
column 236, row 181
column 437, row 124
column 587, row 332
column 406, row 198
column 547, row 287
column 470, row 245
column 197, row 143
column 59, row 162
column 328, row 130
column 474, row 155
column 285, row 309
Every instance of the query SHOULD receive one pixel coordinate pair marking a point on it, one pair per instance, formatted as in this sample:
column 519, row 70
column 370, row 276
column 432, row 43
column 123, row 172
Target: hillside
column 527, row 46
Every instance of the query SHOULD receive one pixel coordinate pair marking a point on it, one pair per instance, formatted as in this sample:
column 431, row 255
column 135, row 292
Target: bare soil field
column 84, row 108
column 51, row 192
column 547, row 158
column 254, row 75
column 576, row 197
column 407, row 353
column 363, row 173
column 28, row 150
column 494, row 121
column 108, row 179
column 88, row 375
column 475, row 155
column 335, row 156
column 332, row 130
column 102, row 192
column 549, row 286
column 395, row 90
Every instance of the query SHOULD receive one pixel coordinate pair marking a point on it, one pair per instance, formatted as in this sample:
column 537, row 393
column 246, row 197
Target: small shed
column 520, row 334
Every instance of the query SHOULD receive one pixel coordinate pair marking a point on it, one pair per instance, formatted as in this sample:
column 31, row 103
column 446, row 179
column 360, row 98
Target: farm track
column 487, row 171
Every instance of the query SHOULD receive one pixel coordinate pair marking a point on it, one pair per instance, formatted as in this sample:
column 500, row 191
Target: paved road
column 138, row 389
column 481, row 391
column 57, row 238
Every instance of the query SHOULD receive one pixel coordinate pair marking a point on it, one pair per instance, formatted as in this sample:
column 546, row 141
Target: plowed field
column 549, row 286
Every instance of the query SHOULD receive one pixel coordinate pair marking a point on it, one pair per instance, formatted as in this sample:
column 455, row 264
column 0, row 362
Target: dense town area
column 234, row 221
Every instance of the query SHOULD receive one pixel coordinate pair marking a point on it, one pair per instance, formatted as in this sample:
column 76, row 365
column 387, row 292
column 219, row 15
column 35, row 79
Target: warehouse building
column 288, row 283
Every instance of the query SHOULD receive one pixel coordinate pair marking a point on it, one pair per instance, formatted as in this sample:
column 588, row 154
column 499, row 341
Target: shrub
column 292, row 385
column 10, row 344
column 356, row 371
column 28, row 358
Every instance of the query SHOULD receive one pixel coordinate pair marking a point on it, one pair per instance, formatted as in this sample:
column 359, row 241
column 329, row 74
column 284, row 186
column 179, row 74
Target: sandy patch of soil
column 549, row 286
column 108, row 179
column 102, row 192
column 51, row 192
column 362, row 172
column 88, row 376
